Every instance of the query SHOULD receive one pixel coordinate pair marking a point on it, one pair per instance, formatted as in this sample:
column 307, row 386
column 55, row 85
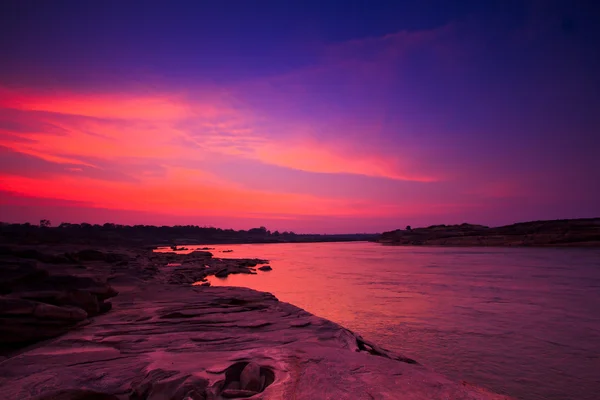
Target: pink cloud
column 154, row 126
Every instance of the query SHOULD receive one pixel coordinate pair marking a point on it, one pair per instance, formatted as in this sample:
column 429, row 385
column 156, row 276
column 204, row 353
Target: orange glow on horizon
column 142, row 153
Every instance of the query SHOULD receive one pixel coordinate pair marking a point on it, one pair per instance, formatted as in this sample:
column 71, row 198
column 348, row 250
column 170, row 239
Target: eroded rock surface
column 38, row 301
column 197, row 265
column 167, row 339
column 212, row 343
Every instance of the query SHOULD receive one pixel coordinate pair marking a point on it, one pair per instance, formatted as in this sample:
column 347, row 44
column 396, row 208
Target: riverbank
column 164, row 337
column 557, row 233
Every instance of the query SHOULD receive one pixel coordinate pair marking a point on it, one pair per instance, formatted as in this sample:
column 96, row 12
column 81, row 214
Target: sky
column 311, row 116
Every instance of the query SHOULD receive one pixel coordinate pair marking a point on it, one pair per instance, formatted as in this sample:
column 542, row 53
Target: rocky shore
column 559, row 233
column 165, row 334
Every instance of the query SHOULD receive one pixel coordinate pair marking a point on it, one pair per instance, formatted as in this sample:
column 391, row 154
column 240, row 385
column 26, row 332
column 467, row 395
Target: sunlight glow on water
column 520, row 321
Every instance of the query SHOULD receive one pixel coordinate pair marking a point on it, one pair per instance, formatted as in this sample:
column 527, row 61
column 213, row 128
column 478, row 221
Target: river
column 519, row 321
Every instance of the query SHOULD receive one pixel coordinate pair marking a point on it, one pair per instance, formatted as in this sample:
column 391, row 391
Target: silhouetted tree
column 44, row 223
column 262, row 231
column 408, row 228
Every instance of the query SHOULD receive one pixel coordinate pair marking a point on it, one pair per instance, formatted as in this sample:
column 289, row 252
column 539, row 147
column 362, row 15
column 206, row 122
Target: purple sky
column 348, row 116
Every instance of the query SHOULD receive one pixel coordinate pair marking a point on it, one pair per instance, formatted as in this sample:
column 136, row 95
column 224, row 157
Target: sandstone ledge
column 187, row 340
column 166, row 339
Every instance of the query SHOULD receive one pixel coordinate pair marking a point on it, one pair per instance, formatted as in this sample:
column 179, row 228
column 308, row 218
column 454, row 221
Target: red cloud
column 155, row 126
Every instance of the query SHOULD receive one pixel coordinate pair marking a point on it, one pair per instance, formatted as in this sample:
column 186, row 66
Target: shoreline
column 164, row 335
column 590, row 245
column 583, row 232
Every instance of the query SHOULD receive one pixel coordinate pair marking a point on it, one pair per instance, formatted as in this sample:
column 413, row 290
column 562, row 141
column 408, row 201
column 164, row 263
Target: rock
column 11, row 306
column 31, row 254
column 213, row 332
column 250, row 378
column 140, row 388
column 22, row 307
column 169, row 385
column 223, row 273
column 15, row 333
column 19, row 273
column 39, row 306
column 105, row 306
column 175, row 248
column 265, row 268
column 84, row 300
column 90, row 255
column 165, row 389
column 203, row 254
column 76, row 298
column 235, row 385
column 193, row 388
column 67, row 313
column 300, row 324
column 101, row 290
column 76, row 394
column 232, row 394
column 23, row 321
column 96, row 255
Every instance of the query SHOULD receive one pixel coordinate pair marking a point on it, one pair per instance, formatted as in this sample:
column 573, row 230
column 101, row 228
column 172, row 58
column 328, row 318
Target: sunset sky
column 311, row 116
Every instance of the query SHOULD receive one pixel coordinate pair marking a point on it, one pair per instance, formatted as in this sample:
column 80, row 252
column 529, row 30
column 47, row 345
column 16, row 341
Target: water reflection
column 525, row 322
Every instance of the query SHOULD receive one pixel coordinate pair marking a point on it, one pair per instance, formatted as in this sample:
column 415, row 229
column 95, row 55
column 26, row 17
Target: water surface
column 520, row 321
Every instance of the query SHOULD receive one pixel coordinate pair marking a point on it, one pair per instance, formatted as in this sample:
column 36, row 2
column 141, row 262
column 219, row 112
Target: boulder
column 204, row 254
column 250, row 378
column 10, row 306
column 24, row 321
column 234, row 385
column 101, row 290
column 222, row 273
column 84, row 300
column 19, row 273
column 66, row 313
column 14, row 307
column 77, row 298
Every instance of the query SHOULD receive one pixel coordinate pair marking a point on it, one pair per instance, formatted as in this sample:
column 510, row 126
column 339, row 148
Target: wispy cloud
column 411, row 123
column 161, row 128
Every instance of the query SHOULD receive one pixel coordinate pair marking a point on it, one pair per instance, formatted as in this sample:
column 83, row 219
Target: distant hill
column 565, row 232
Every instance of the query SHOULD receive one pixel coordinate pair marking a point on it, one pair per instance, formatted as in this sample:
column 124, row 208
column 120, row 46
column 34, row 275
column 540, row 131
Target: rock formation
column 167, row 339
column 35, row 304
